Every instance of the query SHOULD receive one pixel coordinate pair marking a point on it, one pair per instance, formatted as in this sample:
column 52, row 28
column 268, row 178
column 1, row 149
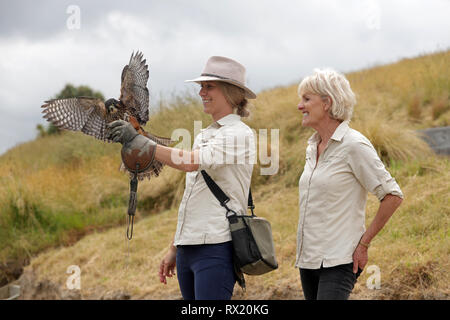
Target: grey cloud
column 44, row 18
column 31, row 18
column 279, row 42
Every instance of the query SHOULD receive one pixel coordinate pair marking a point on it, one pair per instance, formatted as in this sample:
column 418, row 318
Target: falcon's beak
column 112, row 108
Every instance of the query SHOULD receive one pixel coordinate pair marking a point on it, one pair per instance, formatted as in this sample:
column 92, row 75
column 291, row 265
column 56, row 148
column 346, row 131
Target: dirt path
column 34, row 289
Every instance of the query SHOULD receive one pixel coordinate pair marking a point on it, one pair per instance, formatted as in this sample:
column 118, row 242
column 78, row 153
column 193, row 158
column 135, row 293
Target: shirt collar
column 314, row 139
column 340, row 131
column 229, row 119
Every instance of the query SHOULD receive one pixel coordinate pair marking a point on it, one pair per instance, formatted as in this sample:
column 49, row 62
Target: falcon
column 91, row 115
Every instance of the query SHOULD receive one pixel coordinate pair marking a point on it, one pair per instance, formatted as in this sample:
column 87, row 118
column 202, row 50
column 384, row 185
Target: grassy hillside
column 55, row 189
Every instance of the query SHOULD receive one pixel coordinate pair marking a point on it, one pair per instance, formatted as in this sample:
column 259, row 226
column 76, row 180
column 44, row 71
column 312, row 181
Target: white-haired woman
column 341, row 167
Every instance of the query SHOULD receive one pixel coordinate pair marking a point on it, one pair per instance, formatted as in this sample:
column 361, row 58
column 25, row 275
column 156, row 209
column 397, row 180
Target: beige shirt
column 227, row 154
column 333, row 195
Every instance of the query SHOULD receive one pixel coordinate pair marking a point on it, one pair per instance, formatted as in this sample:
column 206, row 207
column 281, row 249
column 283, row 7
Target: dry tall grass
column 74, row 180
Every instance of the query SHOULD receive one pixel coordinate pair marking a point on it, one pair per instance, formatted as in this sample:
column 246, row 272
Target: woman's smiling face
column 212, row 97
column 313, row 109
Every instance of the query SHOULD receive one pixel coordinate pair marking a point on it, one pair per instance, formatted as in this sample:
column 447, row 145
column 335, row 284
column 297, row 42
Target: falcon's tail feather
column 154, row 170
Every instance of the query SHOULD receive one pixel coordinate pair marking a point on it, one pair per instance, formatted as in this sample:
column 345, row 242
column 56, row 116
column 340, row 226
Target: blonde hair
column 235, row 96
column 329, row 83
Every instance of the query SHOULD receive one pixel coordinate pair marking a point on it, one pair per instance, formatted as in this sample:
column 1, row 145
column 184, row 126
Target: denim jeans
column 206, row 272
column 334, row 283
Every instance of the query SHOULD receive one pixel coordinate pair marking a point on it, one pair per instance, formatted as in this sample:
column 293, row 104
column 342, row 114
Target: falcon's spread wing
column 84, row 114
column 133, row 90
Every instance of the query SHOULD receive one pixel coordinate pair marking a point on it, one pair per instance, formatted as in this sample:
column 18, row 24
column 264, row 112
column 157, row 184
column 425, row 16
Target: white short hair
column 330, row 83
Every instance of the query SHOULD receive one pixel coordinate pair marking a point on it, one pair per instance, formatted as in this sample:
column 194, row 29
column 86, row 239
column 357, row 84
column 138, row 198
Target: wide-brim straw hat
column 226, row 70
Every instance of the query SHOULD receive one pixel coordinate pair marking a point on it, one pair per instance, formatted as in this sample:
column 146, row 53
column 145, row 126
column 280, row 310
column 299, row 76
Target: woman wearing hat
column 201, row 250
column 341, row 167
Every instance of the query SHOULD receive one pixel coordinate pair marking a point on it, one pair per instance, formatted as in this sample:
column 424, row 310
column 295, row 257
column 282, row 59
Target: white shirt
column 227, row 154
column 333, row 197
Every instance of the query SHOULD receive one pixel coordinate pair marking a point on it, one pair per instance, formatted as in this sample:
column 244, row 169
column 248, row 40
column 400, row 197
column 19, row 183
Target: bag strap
column 215, row 189
column 250, row 204
column 221, row 196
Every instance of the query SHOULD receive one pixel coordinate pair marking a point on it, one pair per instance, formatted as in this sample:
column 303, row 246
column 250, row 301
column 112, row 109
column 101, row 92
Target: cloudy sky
column 45, row 44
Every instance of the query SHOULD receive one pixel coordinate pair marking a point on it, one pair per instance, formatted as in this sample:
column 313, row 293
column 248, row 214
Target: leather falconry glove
column 138, row 153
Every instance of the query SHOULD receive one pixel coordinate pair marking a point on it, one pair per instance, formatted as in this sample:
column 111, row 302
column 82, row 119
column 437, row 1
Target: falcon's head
column 112, row 105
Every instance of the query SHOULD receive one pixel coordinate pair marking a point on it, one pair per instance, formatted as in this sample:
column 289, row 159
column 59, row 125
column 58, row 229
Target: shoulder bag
column 254, row 250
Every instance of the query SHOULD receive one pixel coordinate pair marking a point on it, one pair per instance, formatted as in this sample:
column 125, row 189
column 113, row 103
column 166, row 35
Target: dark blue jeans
column 334, row 283
column 206, row 272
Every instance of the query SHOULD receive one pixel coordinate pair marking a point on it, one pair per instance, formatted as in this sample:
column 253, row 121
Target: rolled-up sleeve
column 371, row 172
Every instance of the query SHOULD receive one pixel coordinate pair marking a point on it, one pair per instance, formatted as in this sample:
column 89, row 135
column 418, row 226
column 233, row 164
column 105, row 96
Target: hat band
column 214, row 75
column 220, row 77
